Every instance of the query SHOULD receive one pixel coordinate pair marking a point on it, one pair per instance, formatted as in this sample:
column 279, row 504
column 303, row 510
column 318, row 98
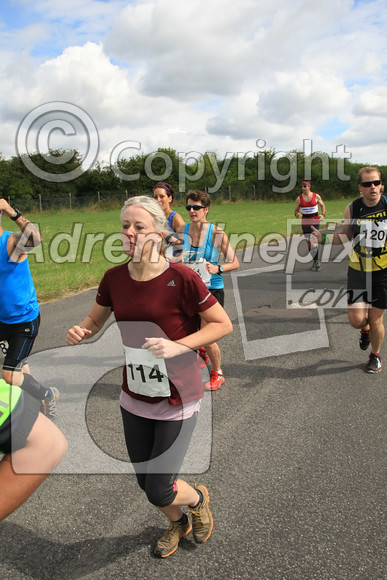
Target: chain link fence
column 73, row 201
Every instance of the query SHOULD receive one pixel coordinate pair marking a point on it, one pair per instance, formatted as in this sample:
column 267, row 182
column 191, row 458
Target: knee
column 160, row 496
column 376, row 324
column 48, row 441
column 357, row 319
column 12, row 377
column 212, row 347
column 57, row 446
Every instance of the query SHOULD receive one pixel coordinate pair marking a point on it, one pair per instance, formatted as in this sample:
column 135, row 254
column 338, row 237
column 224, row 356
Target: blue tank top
column 170, row 220
column 207, row 251
column 18, row 301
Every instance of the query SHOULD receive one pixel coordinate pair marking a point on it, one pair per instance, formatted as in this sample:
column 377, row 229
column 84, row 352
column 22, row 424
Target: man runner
column 366, row 224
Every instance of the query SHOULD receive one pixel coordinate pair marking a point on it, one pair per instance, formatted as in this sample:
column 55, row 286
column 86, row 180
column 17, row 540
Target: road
column 293, row 450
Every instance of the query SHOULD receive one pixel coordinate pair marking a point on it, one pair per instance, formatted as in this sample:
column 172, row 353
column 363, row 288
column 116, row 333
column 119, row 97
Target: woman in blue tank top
column 164, row 194
column 202, row 244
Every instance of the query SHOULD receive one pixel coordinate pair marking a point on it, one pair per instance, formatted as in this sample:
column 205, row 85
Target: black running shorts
column 20, row 338
column 368, row 287
column 218, row 293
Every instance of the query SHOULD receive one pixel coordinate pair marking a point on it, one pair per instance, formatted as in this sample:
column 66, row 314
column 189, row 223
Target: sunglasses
column 194, row 207
column 376, row 182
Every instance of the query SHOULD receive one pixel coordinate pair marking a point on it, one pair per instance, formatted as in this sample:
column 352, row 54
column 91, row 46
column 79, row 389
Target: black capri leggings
column 157, row 450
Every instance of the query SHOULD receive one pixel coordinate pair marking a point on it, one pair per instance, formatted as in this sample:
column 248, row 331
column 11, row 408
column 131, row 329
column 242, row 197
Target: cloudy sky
column 199, row 75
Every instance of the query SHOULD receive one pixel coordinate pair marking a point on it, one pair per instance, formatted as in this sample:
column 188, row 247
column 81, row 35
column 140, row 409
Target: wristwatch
column 220, row 269
column 16, row 215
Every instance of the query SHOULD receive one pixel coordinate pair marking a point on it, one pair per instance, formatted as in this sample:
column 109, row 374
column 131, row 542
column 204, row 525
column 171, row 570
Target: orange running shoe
column 216, row 380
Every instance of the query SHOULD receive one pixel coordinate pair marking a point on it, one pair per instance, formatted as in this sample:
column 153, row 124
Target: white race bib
column 146, row 374
column 200, row 268
column 373, row 234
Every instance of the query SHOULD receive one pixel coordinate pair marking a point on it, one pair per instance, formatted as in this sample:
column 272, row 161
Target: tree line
column 265, row 175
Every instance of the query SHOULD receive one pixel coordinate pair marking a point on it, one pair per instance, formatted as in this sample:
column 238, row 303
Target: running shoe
column 318, row 265
column 203, row 359
column 48, row 406
column 364, row 340
column 216, row 380
column 170, row 539
column 374, row 364
column 202, row 521
column 313, row 266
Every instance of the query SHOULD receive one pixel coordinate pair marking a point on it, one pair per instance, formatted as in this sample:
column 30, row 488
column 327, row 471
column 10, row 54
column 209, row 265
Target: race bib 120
column 373, row 234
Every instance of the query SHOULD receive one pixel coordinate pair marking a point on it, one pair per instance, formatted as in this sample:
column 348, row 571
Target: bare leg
column 186, row 495
column 24, row 470
column 358, row 315
column 13, row 377
column 214, row 355
column 375, row 319
column 213, row 352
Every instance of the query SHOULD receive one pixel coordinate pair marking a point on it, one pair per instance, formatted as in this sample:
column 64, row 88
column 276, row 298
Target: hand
column 315, row 237
column 76, row 334
column 212, row 268
column 164, row 348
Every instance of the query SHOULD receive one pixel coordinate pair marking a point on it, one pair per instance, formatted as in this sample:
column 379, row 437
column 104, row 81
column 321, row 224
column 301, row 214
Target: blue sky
column 201, row 76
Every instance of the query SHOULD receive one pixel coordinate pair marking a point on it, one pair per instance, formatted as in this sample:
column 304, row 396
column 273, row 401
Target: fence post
column 229, row 193
column 40, row 203
column 70, row 205
column 253, row 190
column 98, row 197
column 126, row 194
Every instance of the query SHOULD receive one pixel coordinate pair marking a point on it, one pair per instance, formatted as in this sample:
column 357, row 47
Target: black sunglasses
column 194, row 207
column 376, row 182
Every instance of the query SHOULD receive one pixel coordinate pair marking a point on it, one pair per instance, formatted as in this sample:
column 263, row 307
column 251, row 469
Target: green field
column 79, row 246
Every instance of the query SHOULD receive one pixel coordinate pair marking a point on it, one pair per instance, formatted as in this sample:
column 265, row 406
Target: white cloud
column 372, row 103
column 202, row 75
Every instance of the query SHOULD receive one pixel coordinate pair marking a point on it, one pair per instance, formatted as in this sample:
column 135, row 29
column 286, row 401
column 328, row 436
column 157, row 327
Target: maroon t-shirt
column 166, row 306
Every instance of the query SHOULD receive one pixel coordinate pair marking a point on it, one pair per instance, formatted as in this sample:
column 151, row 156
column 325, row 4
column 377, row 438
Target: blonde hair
column 151, row 206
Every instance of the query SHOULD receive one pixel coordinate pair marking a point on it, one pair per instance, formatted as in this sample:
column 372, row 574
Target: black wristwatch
column 16, row 215
column 220, row 269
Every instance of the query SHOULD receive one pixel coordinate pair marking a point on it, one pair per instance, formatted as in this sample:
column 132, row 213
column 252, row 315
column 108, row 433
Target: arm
column 217, row 325
column 178, row 222
column 340, row 237
column 90, row 325
column 19, row 243
column 321, row 203
column 297, row 210
column 222, row 242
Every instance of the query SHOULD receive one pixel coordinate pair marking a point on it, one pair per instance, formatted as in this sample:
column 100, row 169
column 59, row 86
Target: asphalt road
column 292, row 449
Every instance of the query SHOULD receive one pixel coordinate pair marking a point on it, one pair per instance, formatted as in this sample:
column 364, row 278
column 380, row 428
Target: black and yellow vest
column 369, row 228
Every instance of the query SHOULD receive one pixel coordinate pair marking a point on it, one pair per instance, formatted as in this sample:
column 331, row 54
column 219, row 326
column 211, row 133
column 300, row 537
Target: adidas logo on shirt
column 171, row 283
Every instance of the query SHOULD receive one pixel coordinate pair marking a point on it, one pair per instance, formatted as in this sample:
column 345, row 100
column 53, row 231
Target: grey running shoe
column 318, row 265
column 202, row 522
column 170, row 539
column 48, row 406
column 364, row 340
column 313, row 266
column 374, row 364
